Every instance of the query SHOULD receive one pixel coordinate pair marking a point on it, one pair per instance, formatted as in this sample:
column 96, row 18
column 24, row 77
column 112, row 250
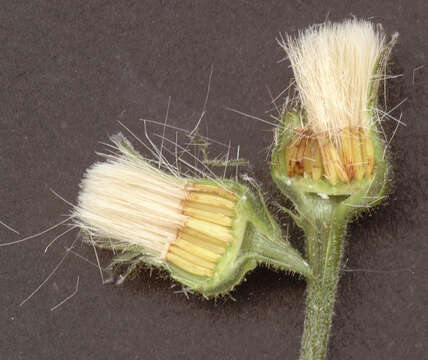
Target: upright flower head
column 329, row 159
column 206, row 232
column 331, row 138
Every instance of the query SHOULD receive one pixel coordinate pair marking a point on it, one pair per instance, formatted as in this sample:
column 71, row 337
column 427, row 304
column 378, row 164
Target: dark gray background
column 70, row 70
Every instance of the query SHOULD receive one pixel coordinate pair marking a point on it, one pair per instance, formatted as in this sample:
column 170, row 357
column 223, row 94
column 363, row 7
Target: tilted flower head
column 206, row 232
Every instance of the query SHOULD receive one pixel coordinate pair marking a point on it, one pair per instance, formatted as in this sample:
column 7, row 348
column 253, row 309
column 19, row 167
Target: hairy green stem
column 325, row 248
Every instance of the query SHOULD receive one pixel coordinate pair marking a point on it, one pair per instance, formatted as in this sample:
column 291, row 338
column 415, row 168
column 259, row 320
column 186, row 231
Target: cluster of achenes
column 328, row 160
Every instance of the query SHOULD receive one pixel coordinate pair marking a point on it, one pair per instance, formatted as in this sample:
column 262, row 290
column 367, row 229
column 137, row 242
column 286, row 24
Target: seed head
column 206, row 232
column 337, row 69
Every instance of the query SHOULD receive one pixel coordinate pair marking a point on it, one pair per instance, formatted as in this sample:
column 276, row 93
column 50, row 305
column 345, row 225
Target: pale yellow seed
column 192, row 258
column 212, row 189
column 329, row 168
column 357, row 154
column 210, row 199
column 216, row 218
column 206, row 207
column 188, row 266
column 299, row 169
column 345, row 136
column 300, row 156
column 219, row 232
column 308, row 159
column 338, row 165
column 290, row 158
column 200, row 251
column 368, row 153
column 317, row 165
column 195, row 236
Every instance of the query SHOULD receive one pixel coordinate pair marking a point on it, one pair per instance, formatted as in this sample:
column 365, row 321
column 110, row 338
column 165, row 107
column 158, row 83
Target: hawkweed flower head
column 206, row 232
column 329, row 158
column 329, row 142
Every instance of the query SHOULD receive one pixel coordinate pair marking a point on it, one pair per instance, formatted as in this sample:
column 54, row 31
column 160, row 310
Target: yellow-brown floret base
column 208, row 229
column 348, row 156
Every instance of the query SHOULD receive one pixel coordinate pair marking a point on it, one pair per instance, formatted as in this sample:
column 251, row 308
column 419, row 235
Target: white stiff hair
column 129, row 202
column 334, row 65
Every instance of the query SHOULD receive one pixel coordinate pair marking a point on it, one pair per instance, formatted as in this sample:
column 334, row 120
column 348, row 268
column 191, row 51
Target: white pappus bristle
column 127, row 200
column 334, row 65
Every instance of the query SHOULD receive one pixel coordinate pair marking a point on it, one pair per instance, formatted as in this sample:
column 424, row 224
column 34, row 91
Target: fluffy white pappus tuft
column 335, row 66
column 127, row 202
